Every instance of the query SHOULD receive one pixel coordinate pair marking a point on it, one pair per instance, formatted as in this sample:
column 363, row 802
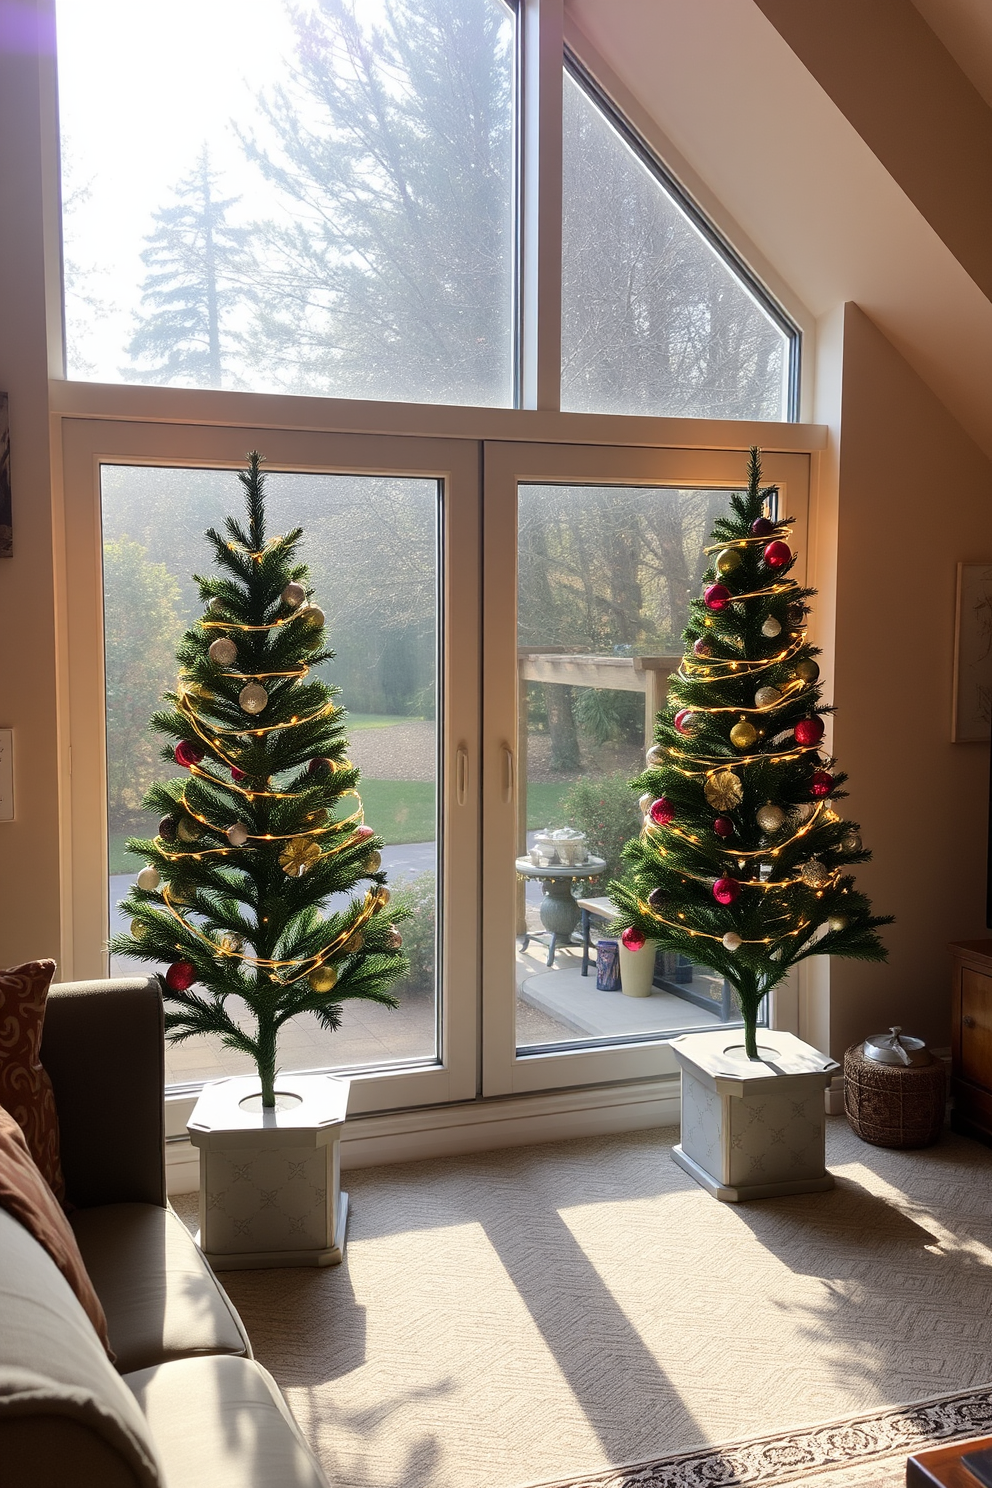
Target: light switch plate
column 6, row 774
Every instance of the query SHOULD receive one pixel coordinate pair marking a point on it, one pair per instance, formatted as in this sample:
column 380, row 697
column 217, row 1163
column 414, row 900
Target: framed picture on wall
column 972, row 706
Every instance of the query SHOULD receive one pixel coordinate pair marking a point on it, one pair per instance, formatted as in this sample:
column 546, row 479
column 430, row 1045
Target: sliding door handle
column 507, row 780
column 461, row 775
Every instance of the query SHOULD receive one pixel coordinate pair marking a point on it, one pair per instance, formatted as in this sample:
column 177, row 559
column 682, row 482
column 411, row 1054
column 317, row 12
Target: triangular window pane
column 654, row 318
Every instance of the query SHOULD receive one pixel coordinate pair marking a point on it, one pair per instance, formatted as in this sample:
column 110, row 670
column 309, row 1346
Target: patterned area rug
column 866, row 1450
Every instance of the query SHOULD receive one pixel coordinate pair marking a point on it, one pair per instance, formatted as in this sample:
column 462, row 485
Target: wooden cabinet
column 971, row 1039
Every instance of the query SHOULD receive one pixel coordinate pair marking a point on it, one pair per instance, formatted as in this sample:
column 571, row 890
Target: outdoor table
column 559, row 911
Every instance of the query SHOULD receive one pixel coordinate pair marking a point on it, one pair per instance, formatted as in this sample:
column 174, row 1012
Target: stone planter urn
column 270, row 1179
column 753, row 1129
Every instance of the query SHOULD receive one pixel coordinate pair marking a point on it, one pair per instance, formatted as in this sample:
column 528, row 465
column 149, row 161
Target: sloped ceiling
column 761, row 131
column 965, row 28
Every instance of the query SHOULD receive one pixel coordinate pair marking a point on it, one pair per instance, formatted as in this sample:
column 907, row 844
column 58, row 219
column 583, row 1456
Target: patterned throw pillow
column 25, row 1089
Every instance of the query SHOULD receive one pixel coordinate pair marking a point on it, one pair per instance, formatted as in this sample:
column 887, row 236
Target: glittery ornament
column 822, row 783
column 702, row 647
column 139, row 929
column 717, row 597
column 761, row 527
column 293, row 596
column 148, row 879
column 323, row 979
column 658, row 898
column 232, row 944
column 837, row 922
column 372, row 863
column 354, row 943
column 634, row 939
column 851, row 842
column 814, row 874
column 313, row 617
column 655, row 756
column 237, row 834
column 362, row 832
column 188, row 754
column 189, row 830
column 808, row 731
column 167, row 828
column 723, row 826
column 731, row 941
column 180, row 975
column 726, row 890
column 769, row 817
column 661, row 811
column 685, row 721
column 767, row 697
column 723, row 791
column 253, row 698
column 777, row 554
column 223, row 652
column 644, row 802
column 727, row 561
column 299, row 854
column 743, row 734
column 807, row 671
column 771, row 628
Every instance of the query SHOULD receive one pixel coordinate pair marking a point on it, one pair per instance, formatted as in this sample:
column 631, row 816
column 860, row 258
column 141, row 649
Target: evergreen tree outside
column 266, row 825
column 197, row 262
column 741, row 862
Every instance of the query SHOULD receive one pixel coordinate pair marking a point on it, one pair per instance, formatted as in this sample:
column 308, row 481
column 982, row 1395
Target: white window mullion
column 541, row 52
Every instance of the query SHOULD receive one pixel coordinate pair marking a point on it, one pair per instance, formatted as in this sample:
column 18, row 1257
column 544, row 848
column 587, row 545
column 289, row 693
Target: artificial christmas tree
column 742, row 861
column 265, row 825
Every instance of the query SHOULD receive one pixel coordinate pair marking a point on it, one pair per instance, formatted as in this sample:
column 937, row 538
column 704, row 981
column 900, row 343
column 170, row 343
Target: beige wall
column 29, row 845
column 914, row 496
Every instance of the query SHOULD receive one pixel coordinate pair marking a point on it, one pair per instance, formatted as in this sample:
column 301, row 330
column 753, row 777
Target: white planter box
column 270, row 1181
column 753, row 1129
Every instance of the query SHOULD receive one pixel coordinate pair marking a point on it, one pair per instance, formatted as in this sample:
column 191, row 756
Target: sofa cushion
column 57, row 1384
column 222, row 1421
column 161, row 1298
column 25, row 1194
column 25, row 1089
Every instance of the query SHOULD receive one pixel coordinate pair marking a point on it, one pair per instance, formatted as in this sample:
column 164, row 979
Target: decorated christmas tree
column 265, row 824
column 743, row 861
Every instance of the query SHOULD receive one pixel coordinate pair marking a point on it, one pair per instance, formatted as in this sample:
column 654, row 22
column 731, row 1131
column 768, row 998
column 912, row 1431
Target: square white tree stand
column 753, row 1129
column 270, row 1180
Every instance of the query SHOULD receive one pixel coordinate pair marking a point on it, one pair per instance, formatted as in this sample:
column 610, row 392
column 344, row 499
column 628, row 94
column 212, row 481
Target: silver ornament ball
column 148, row 879
column 771, row 627
column 223, row 652
column 767, row 697
column 851, row 842
column 654, row 756
column 253, row 698
column 770, row 817
column 237, row 834
column 293, row 595
column 644, row 801
column 731, row 941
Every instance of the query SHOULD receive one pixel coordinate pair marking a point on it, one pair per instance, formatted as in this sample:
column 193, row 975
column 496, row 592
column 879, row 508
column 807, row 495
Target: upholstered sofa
column 186, row 1405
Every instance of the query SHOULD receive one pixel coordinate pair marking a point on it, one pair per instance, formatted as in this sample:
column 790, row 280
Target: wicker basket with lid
column 895, row 1091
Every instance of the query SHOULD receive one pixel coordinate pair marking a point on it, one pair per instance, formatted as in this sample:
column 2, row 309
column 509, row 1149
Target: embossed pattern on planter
column 272, row 1198
column 775, row 1138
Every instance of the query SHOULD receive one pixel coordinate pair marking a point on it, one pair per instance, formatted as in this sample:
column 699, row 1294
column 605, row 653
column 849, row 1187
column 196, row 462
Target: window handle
column 506, row 785
column 461, row 775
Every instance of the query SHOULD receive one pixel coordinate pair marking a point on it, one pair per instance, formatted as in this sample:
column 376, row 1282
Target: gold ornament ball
column 643, row 802
column 138, row 929
column 771, row 627
column 727, row 561
column 299, row 854
column 354, row 943
column 770, row 817
column 372, row 863
column 743, row 734
column 382, row 896
column 654, row 757
column 807, row 671
column 148, row 879
column 253, row 698
column 237, row 834
column 323, row 979
column 837, row 922
column 814, row 874
column 731, row 941
column 233, row 944
column 851, row 842
column 767, row 697
column 293, row 596
column 313, row 617
column 223, row 652
column 723, row 791
column 189, row 830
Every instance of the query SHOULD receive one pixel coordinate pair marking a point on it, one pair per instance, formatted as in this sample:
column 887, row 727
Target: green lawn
column 400, row 811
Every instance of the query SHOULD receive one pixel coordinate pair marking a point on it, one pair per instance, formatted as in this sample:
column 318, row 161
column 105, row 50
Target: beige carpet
column 543, row 1313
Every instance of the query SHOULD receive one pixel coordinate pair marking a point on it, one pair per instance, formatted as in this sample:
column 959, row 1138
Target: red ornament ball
column 180, row 975
column 237, row 775
column 717, row 597
column 822, row 783
column 362, row 832
column 726, row 890
column 634, row 939
column 661, row 811
column 723, row 826
column 188, row 754
column 778, row 554
column 761, row 527
column 684, row 720
column 702, row 647
column 808, row 731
